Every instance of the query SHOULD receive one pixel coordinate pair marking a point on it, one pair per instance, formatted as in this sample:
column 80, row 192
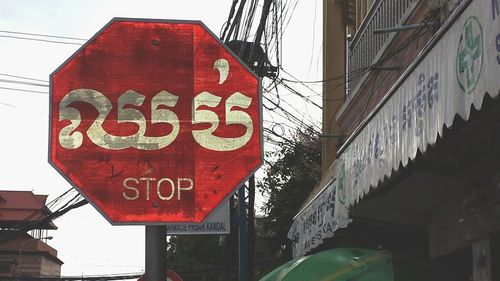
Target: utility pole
column 246, row 212
column 230, row 243
column 243, row 235
column 251, row 227
column 251, row 182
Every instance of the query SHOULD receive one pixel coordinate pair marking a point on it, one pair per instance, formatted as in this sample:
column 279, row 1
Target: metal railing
column 366, row 47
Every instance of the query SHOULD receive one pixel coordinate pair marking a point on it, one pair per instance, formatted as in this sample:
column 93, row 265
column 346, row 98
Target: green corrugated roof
column 339, row 264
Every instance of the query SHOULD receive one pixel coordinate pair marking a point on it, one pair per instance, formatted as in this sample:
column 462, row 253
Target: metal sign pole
column 243, row 235
column 156, row 252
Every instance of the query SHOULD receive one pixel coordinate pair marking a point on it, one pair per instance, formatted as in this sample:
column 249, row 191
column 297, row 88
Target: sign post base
column 156, row 252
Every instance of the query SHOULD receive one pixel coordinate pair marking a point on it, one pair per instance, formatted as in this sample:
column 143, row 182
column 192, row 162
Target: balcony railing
column 366, row 47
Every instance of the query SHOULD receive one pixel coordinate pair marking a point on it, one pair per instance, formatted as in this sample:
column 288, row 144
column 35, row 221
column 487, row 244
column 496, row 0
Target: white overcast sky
column 85, row 241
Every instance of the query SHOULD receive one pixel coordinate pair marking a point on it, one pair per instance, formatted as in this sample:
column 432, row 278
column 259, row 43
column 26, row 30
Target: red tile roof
column 17, row 207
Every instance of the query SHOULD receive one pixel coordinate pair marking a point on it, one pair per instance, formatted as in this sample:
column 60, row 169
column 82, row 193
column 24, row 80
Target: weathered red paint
column 148, row 57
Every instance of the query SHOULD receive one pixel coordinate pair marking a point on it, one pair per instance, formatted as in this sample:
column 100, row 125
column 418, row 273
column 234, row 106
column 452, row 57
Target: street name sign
column 155, row 121
column 218, row 222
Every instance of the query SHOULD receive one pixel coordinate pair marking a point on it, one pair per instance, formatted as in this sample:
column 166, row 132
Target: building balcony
column 376, row 60
column 366, row 47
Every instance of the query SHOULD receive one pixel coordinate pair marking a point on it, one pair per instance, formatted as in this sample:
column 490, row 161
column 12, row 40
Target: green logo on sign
column 341, row 186
column 470, row 55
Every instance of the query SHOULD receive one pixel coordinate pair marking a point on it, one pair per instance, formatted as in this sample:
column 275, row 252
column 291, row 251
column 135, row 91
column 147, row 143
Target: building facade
column 24, row 230
column 411, row 127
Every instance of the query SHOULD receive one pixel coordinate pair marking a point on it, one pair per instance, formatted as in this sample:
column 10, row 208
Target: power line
column 303, row 115
column 291, row 143
column 23, row 83
column 23, row 77
column 228, row 22
column 300, row 95
column 290, row 117
column 247, row 25
column 356, row 73
column 274, row 124
column 40, row 40
column 415, row 35
column 291, row 14
column 8, row 104
column 289, row 114
column 52, row 203
column 298, row 81
column 46, row 216
column 236, row 22
column 42, row 35
column 361, row 71
column 24, row 90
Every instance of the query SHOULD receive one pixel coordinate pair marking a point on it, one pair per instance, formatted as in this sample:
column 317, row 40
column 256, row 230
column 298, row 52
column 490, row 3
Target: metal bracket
column 402, row 27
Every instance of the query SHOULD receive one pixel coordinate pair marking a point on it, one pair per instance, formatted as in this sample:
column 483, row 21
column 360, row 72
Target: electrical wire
column 44, row 216
column 357, row 73
column 40, row 40
column 293, row 107
column 23, row 83
column 291, row 118
column 414, row 36
column 290, row 143
column 313, row 34
column 42, row 35
column 304, row 116
column 59, row 198
column 417, row 34
column 247, row 25
column 245, row 22
column 23, row 77
column 299, row 94
column 246, row 29
column 24, row 90
column 236, row 21
column 274, row 124
column 298, row 81
column 9, row 105
column 228, row 22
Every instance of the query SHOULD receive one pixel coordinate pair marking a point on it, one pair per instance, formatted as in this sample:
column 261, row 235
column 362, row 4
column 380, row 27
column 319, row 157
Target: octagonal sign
column 155, row 121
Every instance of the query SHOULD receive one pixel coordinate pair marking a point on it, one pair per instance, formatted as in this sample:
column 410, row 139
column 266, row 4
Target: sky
column 86, row 242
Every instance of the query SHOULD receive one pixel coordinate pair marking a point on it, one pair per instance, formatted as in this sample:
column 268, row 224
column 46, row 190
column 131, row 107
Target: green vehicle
column 350, row 264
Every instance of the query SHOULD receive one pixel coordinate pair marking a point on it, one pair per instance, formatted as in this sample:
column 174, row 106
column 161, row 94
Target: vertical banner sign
column 326, row 213
column 155, row 121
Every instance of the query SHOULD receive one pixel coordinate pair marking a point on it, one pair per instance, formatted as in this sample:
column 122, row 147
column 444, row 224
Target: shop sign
column 319, row 220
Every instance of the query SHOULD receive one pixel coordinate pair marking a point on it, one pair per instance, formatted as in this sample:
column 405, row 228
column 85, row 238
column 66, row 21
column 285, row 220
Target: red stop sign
column 155, row 121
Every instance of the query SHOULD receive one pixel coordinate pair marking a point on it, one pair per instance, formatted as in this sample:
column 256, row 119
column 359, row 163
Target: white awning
column 452, row 75
column 455, row 72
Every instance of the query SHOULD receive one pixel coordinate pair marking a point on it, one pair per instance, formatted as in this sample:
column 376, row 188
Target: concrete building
column 24, row 231
column 411, row 127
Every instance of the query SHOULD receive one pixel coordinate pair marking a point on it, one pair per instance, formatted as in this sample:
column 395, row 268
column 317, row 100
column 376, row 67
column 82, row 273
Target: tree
column 196, row 257
column 287, row 182
column 288, row 179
